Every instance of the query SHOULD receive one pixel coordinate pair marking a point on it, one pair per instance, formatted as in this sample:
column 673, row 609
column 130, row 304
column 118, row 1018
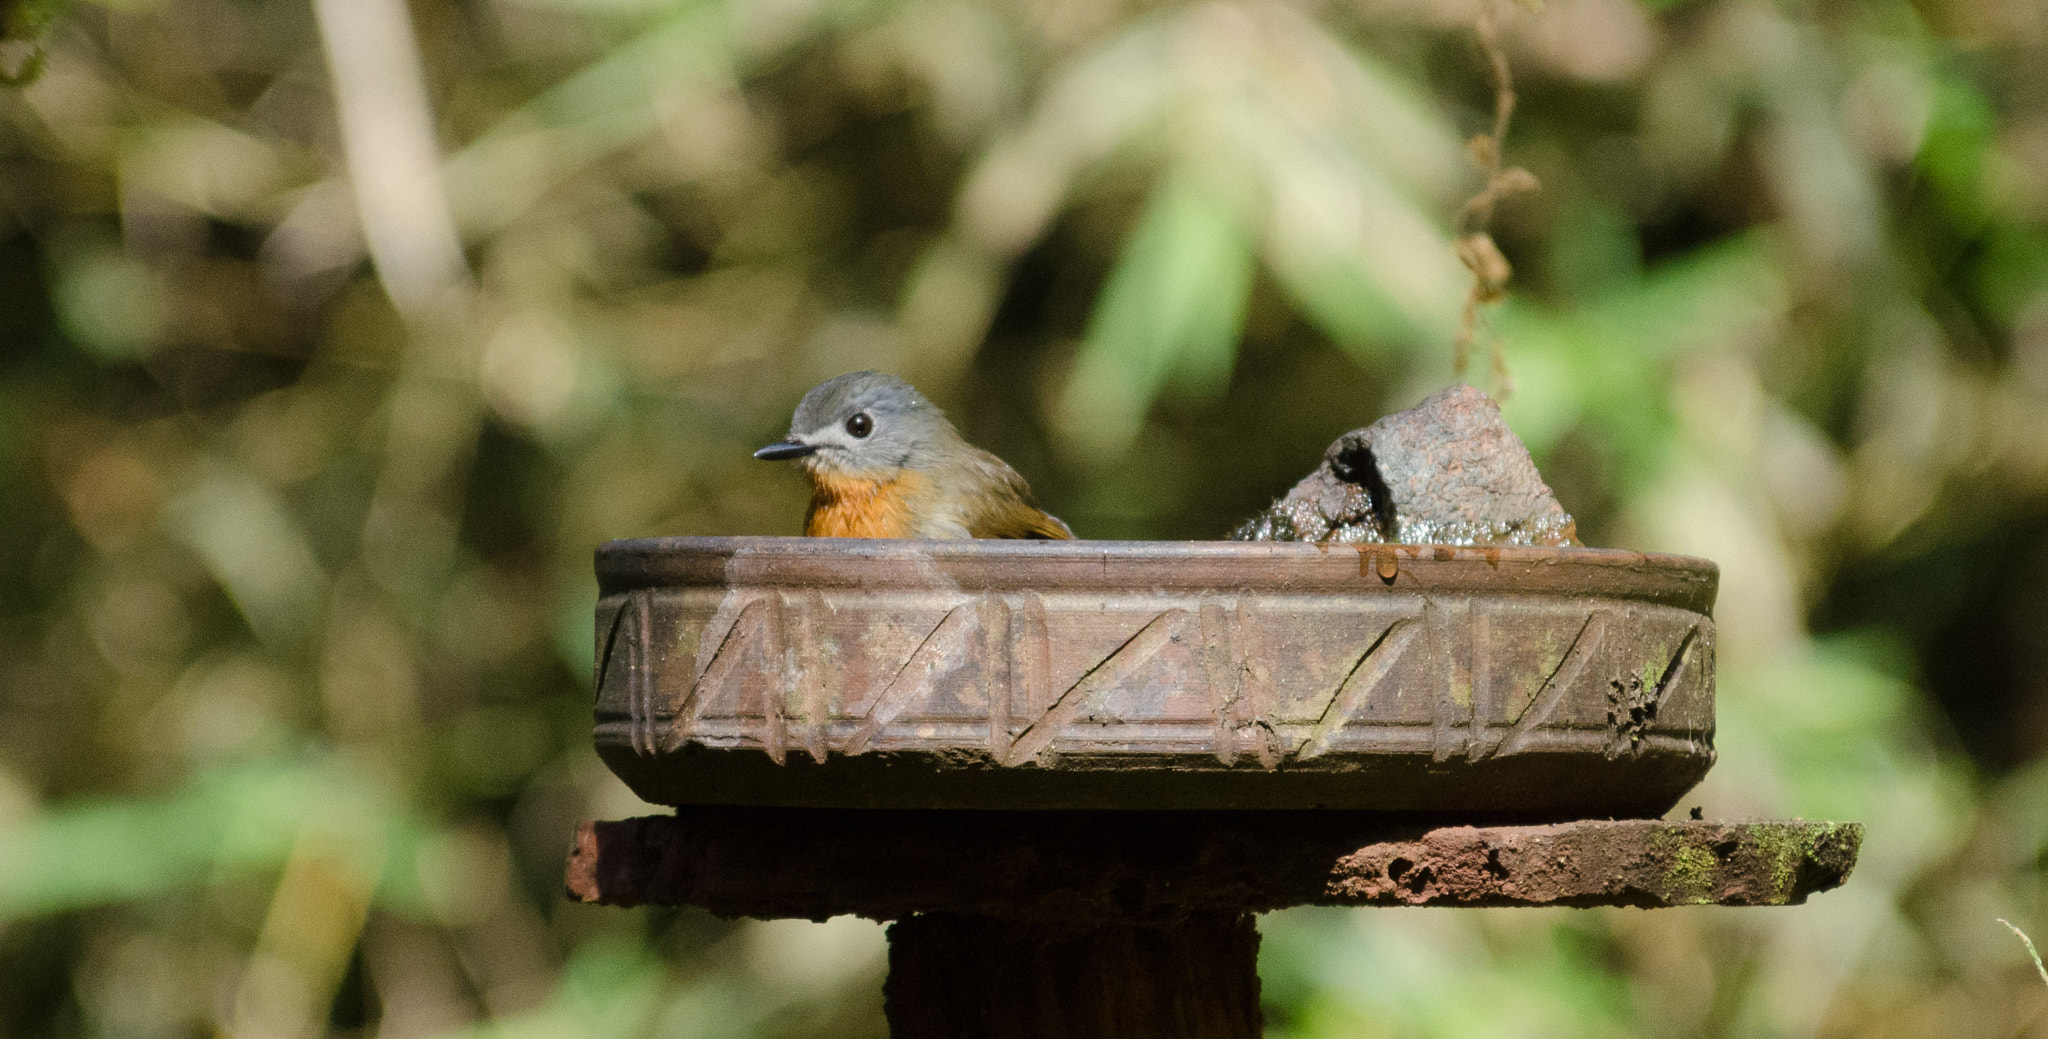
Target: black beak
column 783, row 450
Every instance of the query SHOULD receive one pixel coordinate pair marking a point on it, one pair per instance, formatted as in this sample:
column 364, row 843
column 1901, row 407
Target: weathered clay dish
column 1530, row 682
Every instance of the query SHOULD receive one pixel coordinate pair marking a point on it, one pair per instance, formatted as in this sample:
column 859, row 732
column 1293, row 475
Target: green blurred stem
column 2031, row 951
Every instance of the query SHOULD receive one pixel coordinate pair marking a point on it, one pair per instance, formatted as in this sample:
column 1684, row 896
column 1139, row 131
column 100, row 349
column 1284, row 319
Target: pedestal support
column 1138, row 925
column 953, row 976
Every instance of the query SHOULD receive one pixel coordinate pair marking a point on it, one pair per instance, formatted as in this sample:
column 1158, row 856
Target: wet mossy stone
column 1448, row 471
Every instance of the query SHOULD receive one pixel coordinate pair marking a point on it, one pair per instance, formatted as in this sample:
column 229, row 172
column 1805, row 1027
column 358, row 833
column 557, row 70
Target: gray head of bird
column 862, row 424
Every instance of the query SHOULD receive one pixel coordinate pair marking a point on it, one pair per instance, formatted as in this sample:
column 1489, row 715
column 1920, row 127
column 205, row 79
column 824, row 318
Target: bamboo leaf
column 1171, row 312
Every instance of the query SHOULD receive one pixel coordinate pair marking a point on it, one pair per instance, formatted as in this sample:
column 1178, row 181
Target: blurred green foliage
column 334, row 336
column 22, row 24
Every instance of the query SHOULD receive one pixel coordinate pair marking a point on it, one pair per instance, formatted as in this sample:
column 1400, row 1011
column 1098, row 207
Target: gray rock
column 1448, row 471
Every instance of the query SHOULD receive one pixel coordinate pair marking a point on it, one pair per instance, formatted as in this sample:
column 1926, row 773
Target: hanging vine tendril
column 1475, row 245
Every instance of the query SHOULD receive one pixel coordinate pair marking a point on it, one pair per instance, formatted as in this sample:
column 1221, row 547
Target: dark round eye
column 860, row 424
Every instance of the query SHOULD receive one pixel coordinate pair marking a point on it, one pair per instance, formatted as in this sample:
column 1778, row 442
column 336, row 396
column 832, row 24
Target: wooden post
column 953, row 976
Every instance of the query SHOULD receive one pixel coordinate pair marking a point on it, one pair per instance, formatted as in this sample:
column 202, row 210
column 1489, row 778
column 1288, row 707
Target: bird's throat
column 858, row 507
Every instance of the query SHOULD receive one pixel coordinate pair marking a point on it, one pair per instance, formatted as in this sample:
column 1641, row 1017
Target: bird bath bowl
column 1509, row 683
column 1037, row 757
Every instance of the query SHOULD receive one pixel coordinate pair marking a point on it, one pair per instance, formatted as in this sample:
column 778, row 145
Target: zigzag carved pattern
column 627, row 651
column 806, row 671
column 998, row 658
column 1223, row 672
column 1477, row 739
column 943, row 650
column 1584, row 648
column 1135, row 653
column 769, row 637
column 1674, row 672
column 1356, row 689
column 741, row 638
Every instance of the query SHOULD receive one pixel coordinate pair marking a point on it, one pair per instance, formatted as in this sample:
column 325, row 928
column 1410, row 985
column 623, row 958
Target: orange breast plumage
column 846, row 507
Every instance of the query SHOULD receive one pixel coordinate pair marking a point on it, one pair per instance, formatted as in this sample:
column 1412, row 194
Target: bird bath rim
column 624, row 565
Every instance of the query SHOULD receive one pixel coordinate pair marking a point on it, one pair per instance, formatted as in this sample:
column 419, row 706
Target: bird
column 884, row 462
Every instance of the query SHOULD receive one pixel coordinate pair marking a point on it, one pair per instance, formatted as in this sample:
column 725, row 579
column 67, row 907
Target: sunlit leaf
column 1171, row 311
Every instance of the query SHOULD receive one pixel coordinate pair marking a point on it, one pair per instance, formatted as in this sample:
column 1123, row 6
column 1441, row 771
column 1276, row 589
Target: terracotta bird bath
column 1072, row 770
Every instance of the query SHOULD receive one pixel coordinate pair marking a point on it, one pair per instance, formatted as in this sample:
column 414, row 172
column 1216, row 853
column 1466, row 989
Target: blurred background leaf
column 334, row 335
column 1171, row 309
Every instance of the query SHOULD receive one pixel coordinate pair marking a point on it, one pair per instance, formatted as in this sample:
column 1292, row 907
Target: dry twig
column 1476, row 248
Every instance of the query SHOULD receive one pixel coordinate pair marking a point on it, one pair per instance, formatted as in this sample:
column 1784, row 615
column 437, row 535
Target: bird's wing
column 1003, row 507
column 1019, row 521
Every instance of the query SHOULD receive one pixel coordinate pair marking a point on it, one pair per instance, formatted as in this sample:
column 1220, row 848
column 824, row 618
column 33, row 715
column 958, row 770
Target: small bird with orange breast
column 885, row 463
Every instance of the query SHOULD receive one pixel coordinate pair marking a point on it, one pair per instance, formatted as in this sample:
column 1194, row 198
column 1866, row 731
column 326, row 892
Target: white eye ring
column 860, row 425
